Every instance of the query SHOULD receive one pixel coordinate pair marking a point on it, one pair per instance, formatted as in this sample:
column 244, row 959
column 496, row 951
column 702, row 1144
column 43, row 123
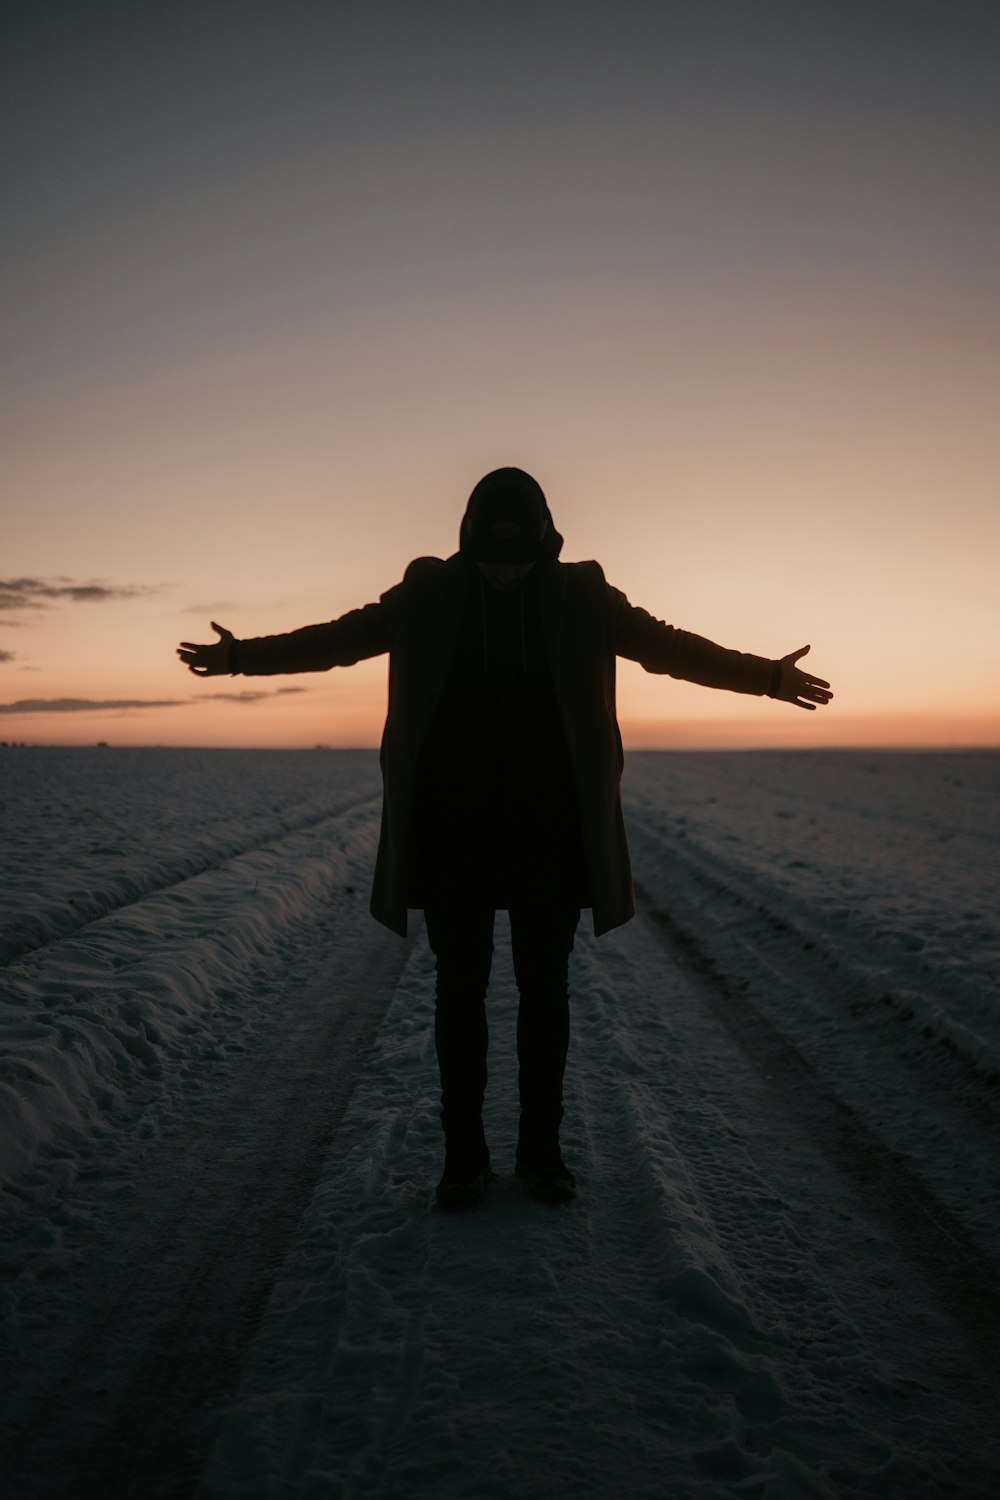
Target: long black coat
column 586, row 624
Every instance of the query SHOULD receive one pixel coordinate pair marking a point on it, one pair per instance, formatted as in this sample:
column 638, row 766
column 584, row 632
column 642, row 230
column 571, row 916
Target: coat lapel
column 433, row 621
column 552, row 609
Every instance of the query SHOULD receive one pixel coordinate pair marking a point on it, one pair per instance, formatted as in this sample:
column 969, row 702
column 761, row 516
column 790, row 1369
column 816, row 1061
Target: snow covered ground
column 221, row 1271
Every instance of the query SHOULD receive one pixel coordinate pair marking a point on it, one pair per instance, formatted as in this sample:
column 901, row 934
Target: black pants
column 462, row 941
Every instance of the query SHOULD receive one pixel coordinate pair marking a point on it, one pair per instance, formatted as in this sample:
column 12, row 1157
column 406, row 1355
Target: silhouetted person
column 501, row 763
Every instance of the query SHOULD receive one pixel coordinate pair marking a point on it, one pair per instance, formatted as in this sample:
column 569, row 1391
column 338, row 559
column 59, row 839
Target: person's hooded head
column 507, row 524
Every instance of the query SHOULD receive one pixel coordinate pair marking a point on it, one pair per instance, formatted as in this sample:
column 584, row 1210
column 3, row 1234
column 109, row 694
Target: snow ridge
column 883, row 903
column 114, row 1006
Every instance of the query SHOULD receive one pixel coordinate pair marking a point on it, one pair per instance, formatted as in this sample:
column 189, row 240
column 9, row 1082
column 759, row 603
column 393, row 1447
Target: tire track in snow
column 965, row 1277
column 128, row 1414
column 874, row 977
column 789, row 1306
column 918, row 1095
column 165, row 878
column 112, row 1012
column 488, row 1354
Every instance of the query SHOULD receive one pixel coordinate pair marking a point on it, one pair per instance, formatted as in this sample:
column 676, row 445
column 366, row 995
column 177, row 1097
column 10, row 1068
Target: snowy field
column 221, row 1272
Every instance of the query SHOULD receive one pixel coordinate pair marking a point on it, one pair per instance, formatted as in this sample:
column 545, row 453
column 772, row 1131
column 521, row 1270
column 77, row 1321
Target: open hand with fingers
column 212, row 660
column 798, row 687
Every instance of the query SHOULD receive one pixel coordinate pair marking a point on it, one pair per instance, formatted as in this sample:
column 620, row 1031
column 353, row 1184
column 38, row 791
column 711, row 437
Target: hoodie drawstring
column 486, row 633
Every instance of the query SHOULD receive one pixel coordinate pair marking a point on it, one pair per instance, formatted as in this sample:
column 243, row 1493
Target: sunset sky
column 282, row 281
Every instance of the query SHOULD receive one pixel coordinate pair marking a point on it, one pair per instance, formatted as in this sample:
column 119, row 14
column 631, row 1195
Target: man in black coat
column 501, row 760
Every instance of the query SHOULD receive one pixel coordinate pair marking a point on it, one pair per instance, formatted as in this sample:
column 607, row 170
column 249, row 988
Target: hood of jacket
column 507, row 520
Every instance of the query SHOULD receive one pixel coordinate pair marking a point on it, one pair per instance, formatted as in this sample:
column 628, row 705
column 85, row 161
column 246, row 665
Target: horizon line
column 679, row 749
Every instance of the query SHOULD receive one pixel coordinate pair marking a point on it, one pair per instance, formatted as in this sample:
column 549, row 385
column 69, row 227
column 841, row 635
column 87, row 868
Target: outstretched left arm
column 678, row 653
column 791, row 685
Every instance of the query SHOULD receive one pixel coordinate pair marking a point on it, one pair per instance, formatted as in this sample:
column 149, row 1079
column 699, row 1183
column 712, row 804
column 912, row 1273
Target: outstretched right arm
column 359, row 634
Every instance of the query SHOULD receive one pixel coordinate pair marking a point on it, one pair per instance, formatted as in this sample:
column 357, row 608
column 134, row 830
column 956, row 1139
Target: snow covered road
column 779, row 1277
column 721, row 1311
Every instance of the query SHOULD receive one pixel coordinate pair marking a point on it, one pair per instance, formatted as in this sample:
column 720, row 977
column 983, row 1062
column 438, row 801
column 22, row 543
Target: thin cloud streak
column 248, row 695
column 86, row 705
column 99, row 705
column 38, row 593
column 6, row 656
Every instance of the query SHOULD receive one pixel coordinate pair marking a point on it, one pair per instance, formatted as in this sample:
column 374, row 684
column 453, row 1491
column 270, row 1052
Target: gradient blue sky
column 282, row 281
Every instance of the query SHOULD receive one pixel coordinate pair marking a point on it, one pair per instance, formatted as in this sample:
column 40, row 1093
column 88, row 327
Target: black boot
column 540, row 1165
column 467, row 1168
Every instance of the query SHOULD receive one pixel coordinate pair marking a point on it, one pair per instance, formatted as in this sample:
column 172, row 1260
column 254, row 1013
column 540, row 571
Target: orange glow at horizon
column 339, row 714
